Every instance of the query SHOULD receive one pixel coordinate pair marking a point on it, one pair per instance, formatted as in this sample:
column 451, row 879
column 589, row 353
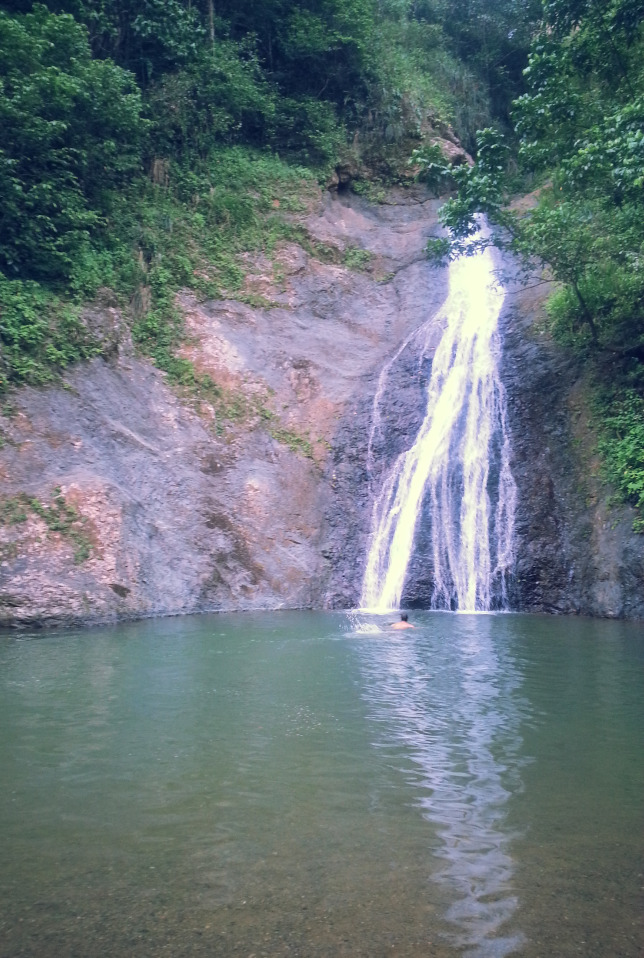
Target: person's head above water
column 403, row 624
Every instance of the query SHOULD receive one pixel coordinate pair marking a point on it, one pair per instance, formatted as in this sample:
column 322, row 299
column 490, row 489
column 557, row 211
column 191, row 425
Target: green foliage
column 59, row 516
column 63, row 518
column 466, row 97
column 404, row 84
column 71, row 132
column 147, row 37
column 220, row 97
column 621, row 418
column 13, row 510
column 480, row 190
column 92, row 92
column 306, row 130
column 293, row 441
column 372, row 189
column 480, row 52
column 187, row 235
column 579, row 125
column 311, row 49
column 191, row 232
column 358, row 259
column 277, row 73
column 40, row 334
column 433, row 168
column 164, row 34
column 493, row 39
column 190, row 235
column 307, row 51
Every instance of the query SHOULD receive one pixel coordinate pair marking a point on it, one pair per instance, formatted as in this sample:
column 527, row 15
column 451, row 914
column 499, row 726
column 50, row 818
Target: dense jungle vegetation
column 146, row 144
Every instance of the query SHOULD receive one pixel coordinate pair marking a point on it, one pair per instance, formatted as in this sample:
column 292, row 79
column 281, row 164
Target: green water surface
column 304, row 784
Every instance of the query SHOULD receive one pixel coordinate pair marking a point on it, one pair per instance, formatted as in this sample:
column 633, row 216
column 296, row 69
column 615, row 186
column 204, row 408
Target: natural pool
column 302, row 784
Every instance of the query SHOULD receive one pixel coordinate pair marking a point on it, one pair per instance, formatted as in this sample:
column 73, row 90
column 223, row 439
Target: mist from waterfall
column 460, row 457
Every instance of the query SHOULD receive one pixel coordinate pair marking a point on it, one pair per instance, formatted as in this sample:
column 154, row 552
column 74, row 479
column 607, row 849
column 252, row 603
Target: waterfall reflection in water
column 457, row 712
column 449, row 463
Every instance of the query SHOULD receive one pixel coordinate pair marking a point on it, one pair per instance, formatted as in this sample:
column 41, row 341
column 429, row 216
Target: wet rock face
column 157, row 494
column 536, row 379
column 365, row 450
column 575, row 552
column 166, row 508
column 171, row 509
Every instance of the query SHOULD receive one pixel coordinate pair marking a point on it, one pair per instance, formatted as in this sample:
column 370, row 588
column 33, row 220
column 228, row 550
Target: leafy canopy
column 72, row 130
column 117, row 114
column 581, row 128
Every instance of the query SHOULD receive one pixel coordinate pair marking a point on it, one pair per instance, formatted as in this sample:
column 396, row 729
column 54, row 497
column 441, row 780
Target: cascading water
column 449, row 465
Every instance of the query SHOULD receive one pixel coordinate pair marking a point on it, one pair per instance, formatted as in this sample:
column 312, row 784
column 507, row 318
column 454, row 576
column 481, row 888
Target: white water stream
column 449, row 465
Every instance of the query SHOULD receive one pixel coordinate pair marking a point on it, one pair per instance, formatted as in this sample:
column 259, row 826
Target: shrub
column 221, row 97
column 39, row 334
column 621, row 418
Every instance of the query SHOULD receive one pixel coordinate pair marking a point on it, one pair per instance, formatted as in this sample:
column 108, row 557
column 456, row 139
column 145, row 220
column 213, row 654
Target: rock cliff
column 576, row 552
column 182, row 509
column 121, row 499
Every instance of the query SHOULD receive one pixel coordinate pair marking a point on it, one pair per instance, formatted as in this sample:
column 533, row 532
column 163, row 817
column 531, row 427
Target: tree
column 492, row 37
column 72, row 131
column 580, row 125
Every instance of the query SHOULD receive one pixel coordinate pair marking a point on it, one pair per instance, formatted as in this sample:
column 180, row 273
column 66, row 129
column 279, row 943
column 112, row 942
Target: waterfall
column 464, row 431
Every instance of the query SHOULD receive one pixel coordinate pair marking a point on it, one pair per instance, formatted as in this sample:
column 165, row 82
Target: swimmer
column 403, row 624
